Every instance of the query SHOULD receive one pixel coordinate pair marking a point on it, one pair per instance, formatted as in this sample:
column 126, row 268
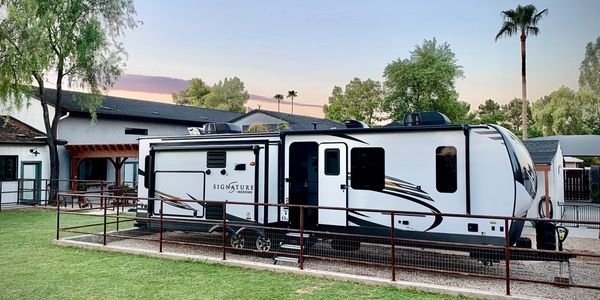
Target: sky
column 311, row 46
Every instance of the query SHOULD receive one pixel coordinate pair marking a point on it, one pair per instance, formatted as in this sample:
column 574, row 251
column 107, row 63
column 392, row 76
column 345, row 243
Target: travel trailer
column 444, row 168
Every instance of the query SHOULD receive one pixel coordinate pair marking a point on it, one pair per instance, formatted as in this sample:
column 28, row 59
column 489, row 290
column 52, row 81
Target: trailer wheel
column 263, row 243
column 237, row 241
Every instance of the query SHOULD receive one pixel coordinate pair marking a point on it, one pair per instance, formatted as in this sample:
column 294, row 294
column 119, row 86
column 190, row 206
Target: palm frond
column 539, row 16
column 508, row 29
column 533, row 30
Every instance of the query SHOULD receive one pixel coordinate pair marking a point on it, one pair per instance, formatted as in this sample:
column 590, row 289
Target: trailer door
column 333, row 183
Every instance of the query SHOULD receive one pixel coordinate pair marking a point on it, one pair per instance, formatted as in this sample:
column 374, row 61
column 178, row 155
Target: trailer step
column 277, row 258
column 297, row 234
column 290, row 247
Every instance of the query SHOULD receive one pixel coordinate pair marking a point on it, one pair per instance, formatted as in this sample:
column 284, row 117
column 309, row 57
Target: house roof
column 13, row 131
column 124, row 108
column 571, row 159
column 542, row 152
column 576, row 145
column 296, row 122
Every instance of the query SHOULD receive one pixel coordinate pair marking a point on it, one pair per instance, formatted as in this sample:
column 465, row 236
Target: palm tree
column 278, row 97
column 292, row 94
column 522, row 20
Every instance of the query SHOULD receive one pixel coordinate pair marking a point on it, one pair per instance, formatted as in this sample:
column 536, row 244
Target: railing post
column 104, row 234
column 1, row 183
column 57, row 220
column 224, row 235
column 101, row 194
column 19, row 191
column 117, row 201
column 393, row 244
column 301, row 258
column 507, row 256
column 45, row 192
column 160, row 237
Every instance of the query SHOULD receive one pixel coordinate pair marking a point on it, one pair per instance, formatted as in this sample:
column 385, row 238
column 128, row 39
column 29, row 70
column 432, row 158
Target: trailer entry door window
column 215, row 159
column 332, row 162
column 367, row 168
column 445, row 169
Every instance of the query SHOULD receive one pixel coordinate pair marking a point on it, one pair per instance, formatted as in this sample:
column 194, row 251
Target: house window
column 367, row 168
column 445, row 169
column 130, row 173
column 8, row 167
column 216, row 159
column 332, row 162
column 136, row 131
column 92, row 169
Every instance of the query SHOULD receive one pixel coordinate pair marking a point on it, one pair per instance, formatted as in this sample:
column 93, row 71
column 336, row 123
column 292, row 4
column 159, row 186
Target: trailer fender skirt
column 219, row 227
column 252, row 230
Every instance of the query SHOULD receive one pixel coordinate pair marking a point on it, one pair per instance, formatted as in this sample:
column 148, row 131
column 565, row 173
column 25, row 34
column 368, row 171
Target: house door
column 31, row 178
column 333, row 183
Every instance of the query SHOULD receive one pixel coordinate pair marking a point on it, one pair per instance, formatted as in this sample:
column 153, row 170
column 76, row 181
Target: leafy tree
column 566, row 112
column 425, row 82
column 194, row 94
column 523, row 21
column 589, row 71
column 229, row 94
column 278, row 97
column 292, row 94
column 361, row 101
column 61, row 41
column 490, row 112
column 513, row 116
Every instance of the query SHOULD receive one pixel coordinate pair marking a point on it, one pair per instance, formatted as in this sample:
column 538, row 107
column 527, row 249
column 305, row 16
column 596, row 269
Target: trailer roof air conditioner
column 425, row 118
column 215, row 128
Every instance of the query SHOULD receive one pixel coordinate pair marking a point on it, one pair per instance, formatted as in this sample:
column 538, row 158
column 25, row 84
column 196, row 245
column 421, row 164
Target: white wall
column 556, row 188
column 79, row 130
column 22, row 151
column 31, row 113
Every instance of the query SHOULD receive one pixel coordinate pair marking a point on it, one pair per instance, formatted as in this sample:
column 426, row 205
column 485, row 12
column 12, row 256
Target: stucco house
column 547, row 156
column 23, row 154
column 275, row 120
column 106, row 149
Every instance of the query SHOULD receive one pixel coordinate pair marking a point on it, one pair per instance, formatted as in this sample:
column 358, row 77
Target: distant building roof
column 575, row 145
column 571, row 159
column 13, row 131
column 542, row 152
column 296, row 122
column 124, row 108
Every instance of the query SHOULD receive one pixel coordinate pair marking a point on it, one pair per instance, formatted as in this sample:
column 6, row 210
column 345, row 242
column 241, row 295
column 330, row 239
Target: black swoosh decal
column 345, row 136
column 438, row 218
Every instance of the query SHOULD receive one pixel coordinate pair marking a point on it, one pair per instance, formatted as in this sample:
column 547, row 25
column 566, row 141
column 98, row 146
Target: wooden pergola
column 117, row 154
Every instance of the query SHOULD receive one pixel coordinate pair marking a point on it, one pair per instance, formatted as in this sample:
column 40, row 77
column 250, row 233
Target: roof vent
column 155, row 113
column 106, row 107
column 355, row 124
column 425, row 118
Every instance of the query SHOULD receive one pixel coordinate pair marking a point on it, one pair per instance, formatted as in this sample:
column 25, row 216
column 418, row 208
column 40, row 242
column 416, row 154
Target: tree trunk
column 278, row 101
column 523, row 87
column 292, row 105
column 51, row 140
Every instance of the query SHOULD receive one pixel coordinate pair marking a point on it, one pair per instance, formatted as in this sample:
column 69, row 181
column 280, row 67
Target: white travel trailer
column 477, row 170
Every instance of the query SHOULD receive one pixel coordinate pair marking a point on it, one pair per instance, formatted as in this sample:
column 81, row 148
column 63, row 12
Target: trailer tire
column 263, row 243
column 237, row 241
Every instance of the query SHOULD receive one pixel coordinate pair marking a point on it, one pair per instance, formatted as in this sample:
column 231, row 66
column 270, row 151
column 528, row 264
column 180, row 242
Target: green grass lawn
column 32, row 268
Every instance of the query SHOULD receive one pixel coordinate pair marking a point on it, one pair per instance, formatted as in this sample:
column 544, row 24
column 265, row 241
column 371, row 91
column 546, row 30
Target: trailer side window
column 332, row 162
column 216, row 159
column 367, row 168
column 445, row 169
